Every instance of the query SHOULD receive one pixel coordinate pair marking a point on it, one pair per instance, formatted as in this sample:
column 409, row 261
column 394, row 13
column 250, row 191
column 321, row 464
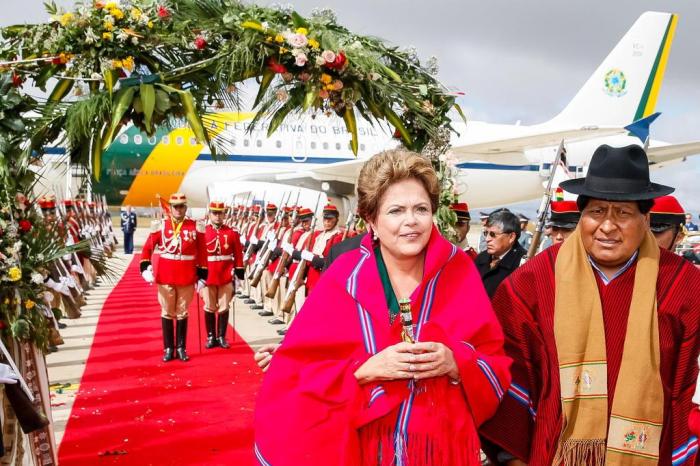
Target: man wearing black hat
column 604, row 332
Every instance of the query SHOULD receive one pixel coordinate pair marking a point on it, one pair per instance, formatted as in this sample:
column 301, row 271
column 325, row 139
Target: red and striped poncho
column 528, row 422
column 311, row 409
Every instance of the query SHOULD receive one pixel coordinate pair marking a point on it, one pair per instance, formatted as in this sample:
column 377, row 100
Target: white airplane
column 498, row 164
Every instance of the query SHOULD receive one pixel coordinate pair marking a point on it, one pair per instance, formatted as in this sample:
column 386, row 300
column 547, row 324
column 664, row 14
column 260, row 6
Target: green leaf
column 299, row 21
column 398, row 124
column 461, row 113
column 13, row 124
column 122, row 102
column 44, row 76
column 163, row 103
column 148, row 99
column 267, row 77
column 110, row 77
column 61, row 90
column 351, row 125
column 96, row 157
column 193, row 116
column 279, row 116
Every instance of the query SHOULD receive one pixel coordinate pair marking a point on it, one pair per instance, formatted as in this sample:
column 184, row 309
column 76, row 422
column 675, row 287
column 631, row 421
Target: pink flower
column 301, row 59
column 323, row 94
column 338, row 63
column 297, row 40
column 337, row 85
column 303, row 77
column 328, row 56
column 200, row 42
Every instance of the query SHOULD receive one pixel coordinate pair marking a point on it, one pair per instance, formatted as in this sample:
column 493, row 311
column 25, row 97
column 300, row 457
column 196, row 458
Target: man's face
column 179, row 211
column 216, row 217
column 688, row 218
column 329, row 223
column 462, row 229
column 559, row 234
column 50, row 216
column 668, row 239
column 285, row 221
column 271, row 215
column 612, row 231
column 498, row 242
column 306, row 224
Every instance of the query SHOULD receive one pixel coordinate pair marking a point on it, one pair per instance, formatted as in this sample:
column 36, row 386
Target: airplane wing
column 672, row 152
column 493, row 151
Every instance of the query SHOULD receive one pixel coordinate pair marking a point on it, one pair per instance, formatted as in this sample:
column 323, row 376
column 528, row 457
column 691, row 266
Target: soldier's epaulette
column 156, row 225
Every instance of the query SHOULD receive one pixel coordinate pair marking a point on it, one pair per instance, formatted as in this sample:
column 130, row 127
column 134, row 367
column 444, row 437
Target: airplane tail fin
column 626, row 85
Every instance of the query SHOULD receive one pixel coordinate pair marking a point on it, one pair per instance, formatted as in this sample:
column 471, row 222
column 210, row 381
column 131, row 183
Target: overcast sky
column 521, row 60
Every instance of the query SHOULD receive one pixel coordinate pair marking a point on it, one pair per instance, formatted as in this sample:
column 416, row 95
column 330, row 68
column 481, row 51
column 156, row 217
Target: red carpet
column 133, row 409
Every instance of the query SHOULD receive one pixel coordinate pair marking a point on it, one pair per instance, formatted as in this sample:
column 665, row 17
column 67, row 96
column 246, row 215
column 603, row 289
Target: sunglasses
column 491, row 234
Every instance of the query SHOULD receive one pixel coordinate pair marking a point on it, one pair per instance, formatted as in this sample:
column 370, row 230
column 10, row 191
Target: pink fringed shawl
column 311, row 409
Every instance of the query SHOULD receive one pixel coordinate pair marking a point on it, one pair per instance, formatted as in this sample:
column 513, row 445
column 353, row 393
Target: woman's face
column 404, row 219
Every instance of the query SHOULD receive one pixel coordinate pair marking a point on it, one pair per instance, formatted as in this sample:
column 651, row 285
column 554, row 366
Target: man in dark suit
column 128, row 223
column 503, row 253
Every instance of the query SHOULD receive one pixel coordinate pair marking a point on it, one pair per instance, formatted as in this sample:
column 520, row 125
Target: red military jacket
column 224, row 252
column 73, row 228
column 182, row 249
column 321, row 244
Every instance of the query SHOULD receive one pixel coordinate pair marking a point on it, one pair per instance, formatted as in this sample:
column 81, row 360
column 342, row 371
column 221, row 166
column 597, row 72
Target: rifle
column 284, row 258
column 298, row 279
column 348, row 223
column 263, row 256
column 544, row 205
column 251, row 245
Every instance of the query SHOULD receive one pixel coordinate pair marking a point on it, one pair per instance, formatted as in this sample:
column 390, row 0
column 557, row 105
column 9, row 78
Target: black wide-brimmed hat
column 617, row 174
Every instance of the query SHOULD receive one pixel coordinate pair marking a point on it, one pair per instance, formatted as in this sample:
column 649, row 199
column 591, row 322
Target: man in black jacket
column 344, row 246
column 503, row 253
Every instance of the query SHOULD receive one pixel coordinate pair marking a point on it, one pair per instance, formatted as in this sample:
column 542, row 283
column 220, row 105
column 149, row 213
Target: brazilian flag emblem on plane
column 615, row 83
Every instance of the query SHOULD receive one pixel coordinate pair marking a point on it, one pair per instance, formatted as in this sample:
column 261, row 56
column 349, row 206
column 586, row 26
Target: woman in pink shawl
column 347, row 387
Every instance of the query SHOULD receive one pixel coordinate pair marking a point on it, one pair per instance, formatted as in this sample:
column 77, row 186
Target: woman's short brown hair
column 387, row 168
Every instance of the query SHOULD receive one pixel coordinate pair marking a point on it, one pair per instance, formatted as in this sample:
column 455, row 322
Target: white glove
column 242, row 239
column 201, row 284
column 7, row 375
column 62, row 287
column 272, row 244
column 148, row 275
column 75, row 268
column 270, row 235
column 66, row 257
column 307, row 255
column 254, row 239
column 288, row 248
column 51, row 284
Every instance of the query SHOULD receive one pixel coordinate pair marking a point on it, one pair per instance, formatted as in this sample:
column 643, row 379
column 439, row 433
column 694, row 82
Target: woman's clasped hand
column 421, row 360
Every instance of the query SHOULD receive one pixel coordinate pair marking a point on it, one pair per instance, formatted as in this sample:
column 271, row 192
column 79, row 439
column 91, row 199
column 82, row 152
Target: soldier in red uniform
column 251, row 241
column 321, row 244
column 225, row 262
column 461, row 209
column 272, row 305
column 268, row 225
column 183, row 261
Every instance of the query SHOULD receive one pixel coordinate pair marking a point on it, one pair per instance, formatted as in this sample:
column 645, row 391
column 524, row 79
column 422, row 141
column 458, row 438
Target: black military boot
column 210, row 322
column 181, row 337
column 223, row 326
column 168, row 341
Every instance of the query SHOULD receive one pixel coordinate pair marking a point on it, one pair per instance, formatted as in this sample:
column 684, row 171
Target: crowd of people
column 403, row 348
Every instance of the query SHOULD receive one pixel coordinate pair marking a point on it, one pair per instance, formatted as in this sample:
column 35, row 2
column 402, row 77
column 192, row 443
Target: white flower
column 109, row 19
column 374, row 76
column 122, row 36
column 17, row 246
column 40, row 257
column 37, row 278
column 265, row 25
column 90, row 36
column 297, row 40
column 320, row 61
column 96, row 76
column 281, row 95
column 301, row 59
column 328, row 56
column 135, row 40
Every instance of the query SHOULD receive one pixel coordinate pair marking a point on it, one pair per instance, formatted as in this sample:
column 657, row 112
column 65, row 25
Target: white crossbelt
column 220, row 258
column 177, row 257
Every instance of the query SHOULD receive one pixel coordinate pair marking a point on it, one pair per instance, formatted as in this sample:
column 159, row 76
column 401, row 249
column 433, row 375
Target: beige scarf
column 632, row 435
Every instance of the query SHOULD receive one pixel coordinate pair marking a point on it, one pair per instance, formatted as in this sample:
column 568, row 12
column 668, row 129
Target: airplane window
column 258, row 143
column 124, row 138
column 325, row 146
column 233, row 141
column 138, row 139
column 152, row 140
column 362, row 147
column 246, row 142
column 337, row 146
column 166, row 140
column 193, row 141
column 179, row 140
column 278, row 144
column 313, row 144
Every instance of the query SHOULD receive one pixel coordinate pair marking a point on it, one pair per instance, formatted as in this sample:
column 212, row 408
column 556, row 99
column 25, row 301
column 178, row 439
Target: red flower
column 200, row 42
column 25, row 225
column 17, row 80
column 397, row 134
column 275, row 66
column 3, row 325
column 339, row 62
column 163, row 12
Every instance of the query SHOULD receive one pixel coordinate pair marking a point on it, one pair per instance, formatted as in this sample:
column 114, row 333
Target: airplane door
column 299, row 149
